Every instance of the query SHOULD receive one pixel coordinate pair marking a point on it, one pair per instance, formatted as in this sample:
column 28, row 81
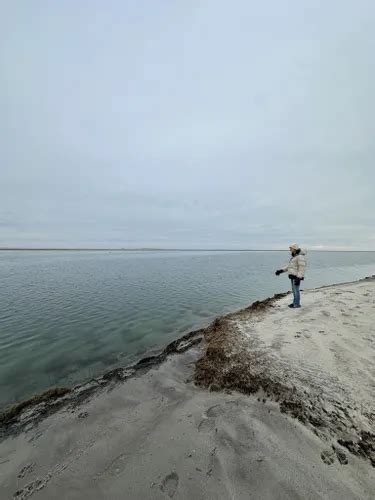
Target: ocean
column 66, row 316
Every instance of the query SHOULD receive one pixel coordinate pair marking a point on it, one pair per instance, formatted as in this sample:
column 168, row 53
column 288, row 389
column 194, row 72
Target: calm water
column 66, row 316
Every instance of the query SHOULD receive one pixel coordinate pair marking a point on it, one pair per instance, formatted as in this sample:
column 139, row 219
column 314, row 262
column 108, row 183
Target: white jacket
column 297, row 265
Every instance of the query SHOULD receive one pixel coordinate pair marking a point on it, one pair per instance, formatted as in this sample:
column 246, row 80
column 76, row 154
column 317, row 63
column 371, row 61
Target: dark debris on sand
column 231, row 362
column 51, row 395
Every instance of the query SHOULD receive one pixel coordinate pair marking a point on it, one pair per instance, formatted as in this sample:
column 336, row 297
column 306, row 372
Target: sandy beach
column 265, row 403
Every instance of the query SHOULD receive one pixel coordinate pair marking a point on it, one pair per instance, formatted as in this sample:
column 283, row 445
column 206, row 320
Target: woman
column 296, row 272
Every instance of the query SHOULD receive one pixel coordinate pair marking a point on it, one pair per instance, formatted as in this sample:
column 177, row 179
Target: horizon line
column 156, row 249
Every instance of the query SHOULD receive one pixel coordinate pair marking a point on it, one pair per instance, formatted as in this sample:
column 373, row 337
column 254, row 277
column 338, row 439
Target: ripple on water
column 68, row 316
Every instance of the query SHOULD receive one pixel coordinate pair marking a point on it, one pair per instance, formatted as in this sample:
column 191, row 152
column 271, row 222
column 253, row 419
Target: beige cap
column 294, row 246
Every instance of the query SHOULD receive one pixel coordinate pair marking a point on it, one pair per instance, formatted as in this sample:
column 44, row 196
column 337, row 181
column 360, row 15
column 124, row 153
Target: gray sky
column 183, row 123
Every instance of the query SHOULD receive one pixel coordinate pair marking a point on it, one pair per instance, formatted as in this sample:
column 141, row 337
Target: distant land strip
column 30, row 249
column 139, row 249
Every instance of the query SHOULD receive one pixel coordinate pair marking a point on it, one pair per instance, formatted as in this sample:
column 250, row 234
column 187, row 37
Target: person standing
column 296, row 273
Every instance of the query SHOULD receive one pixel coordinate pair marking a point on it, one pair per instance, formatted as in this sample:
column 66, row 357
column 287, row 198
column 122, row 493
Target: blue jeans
column 296, row 294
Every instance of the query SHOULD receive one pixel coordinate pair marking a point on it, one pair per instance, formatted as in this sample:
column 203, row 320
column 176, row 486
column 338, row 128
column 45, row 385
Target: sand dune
column 273, row 404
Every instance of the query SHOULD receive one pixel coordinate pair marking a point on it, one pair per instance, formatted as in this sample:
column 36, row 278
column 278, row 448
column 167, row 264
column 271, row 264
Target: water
column 67, row 316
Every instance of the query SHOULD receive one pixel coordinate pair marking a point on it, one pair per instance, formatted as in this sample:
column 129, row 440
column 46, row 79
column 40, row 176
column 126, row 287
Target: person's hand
column 278, row 272
column 297, row 281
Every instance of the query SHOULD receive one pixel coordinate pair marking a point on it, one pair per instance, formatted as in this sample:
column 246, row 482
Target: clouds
column 187, row 124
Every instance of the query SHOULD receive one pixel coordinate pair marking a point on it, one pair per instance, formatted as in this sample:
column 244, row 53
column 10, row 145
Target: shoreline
column 266, row 402
column 56, row 397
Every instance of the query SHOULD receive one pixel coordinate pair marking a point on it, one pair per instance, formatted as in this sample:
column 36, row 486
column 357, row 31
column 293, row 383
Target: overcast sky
column 186, row 123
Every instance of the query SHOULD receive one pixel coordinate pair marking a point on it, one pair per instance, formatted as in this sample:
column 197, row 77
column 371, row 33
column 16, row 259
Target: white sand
column 157, row 436
column 328, row 344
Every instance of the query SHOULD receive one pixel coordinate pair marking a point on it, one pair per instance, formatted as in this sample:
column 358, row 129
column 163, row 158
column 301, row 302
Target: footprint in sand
column 215, row 411
column 209, row 421
column 328, row 457
column 207, row 424
column 26, row 470
column 341, row 456
column 31, row 488
column 169, row 484
column 211, row 414
column 326, row 313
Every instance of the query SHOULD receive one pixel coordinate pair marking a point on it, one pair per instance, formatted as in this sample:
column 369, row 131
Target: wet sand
column 266, row 403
